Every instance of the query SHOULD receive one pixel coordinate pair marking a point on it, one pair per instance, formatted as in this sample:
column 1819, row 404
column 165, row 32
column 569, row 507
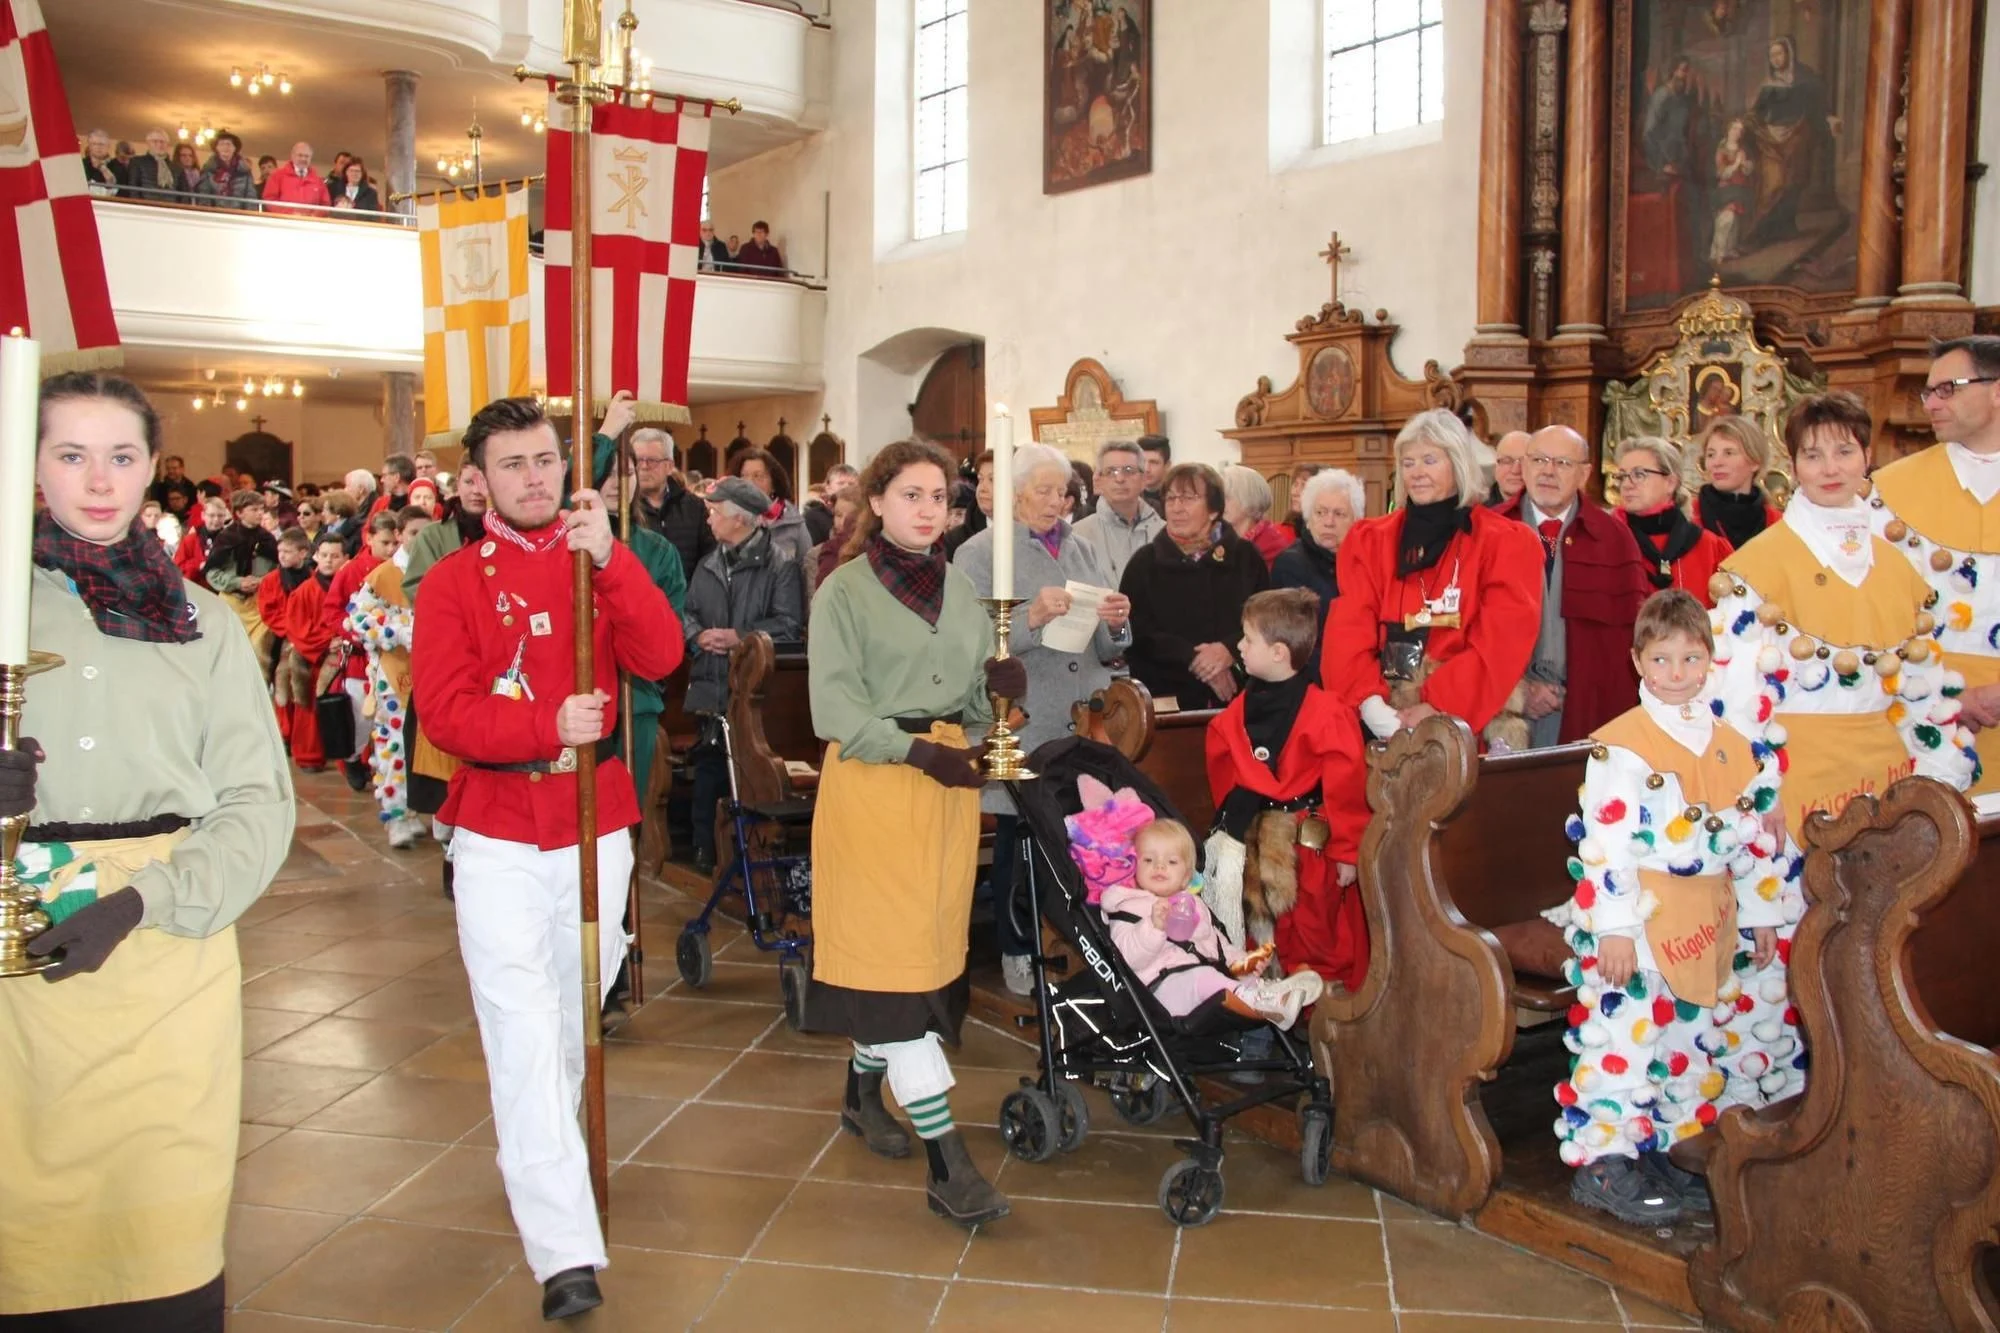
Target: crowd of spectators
column 171, row 171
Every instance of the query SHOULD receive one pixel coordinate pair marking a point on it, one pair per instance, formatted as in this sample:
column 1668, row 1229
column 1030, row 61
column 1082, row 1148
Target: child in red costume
column 1288, row 776
column 309, row 638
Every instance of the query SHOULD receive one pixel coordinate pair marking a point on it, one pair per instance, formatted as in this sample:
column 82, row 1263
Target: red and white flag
column 51, row 266
column 647, row 167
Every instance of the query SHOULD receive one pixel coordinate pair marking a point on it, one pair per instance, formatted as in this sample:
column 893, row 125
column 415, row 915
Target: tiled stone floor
column 367, row 1196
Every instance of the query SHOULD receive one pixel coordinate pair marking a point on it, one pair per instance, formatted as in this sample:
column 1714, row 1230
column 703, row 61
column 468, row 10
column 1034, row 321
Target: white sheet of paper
column 1071, row 632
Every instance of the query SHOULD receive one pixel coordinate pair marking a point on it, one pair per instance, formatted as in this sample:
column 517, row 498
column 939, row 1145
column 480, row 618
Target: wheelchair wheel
column 1030, row 1124
column 1140, row 1105
column 1072, row 1117
column 693, row 958
column 792, row 977
column 1315, row 1144
column 1190, row 1193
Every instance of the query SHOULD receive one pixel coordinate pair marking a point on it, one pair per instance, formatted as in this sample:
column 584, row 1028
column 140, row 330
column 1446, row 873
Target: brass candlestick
column 21, row 915
column 1003, row 760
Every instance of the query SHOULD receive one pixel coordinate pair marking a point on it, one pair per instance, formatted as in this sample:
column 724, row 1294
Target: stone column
column 1888, row 46
column 1500, row 166
column 1586, row 171
column 399, row 413
column 400, row 88
column 1941, row 58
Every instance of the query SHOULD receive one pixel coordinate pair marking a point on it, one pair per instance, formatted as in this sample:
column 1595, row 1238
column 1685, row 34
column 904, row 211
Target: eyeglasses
column 1944, row 390
column 649, row 462
column 1543, row 460
column 1638, row 474
column 1120, row 470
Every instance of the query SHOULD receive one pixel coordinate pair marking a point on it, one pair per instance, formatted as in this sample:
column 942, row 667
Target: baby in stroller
column 1168, row 937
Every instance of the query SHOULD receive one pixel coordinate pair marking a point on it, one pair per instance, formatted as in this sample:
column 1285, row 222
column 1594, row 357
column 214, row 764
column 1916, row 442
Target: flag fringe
column 670, row 414
column 82, row 358
column 444, row 439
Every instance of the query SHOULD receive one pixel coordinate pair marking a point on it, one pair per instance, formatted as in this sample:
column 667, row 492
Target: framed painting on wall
column 1735, row 147
column 1097, row 92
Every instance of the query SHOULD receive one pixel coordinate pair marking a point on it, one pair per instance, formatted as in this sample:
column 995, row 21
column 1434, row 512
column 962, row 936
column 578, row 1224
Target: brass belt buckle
column 565, row 762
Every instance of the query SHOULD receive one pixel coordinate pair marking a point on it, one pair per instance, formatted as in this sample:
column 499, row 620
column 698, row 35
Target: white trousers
column 364, row 726
column 520, row 935
column 917, row 1070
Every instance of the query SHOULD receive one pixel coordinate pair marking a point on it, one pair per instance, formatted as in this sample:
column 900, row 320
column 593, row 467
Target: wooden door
column 951, row 406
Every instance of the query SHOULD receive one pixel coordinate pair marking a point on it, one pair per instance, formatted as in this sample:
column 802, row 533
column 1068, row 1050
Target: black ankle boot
column 570, row 1293
column 866, row 1117
column 957, row 1192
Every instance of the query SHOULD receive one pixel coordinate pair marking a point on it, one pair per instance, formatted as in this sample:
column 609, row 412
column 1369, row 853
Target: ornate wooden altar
column 1345, row 404
column 1813, row 157
column 1091, row 411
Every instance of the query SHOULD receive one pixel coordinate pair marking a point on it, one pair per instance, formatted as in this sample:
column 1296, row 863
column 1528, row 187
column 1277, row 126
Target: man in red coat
column 296, row 183
column 1581, row 675
column 494, row 676
column 1282, row 755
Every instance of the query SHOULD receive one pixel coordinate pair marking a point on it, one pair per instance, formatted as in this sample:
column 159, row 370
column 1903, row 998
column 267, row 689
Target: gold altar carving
column 1091, row 412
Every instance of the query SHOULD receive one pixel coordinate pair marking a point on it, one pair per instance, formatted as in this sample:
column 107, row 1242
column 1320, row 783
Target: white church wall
column 1182, row 282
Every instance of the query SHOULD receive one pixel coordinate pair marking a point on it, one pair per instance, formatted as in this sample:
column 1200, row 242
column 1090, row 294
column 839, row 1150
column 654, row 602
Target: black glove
column 17, row 778
column 1006, row 677
column 88, row 937
column 946, row 765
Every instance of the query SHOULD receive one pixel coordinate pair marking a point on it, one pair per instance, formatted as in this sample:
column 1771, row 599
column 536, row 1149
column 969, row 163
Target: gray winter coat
column 1055, row 680
column 759, row 590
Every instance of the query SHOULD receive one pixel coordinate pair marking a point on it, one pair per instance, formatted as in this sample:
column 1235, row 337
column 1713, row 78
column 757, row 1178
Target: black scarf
column 1736, row 517
column 471, row 527
column 1326, row 562
column 1427, row 531
column 1270, row 709
column 132, row 588
column 1663, row 538
column 238, row 546
column 290, row 579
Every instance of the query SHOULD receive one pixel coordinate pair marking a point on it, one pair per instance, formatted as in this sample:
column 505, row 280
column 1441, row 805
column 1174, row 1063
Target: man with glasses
column 1581, row 675
column 664, row 502
column 296, row 182
column 1941, row 508
column 1123, row 521
column 1510, row 456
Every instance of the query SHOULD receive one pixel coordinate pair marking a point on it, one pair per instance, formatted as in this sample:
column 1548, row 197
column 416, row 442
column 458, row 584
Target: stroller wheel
column 792, row 977
column 1315, row 1144
column 1030, row 1124
column 1073, row 1117
column 1138, row 1105
column 1190, row 1193
column 693, row 958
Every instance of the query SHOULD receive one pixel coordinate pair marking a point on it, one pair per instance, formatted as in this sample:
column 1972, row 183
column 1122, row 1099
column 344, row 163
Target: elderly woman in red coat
column 1440, row 601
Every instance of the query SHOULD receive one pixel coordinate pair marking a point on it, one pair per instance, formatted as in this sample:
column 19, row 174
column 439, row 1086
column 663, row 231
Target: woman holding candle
column 1047, row 557
column 162, row 811
column 895, row 672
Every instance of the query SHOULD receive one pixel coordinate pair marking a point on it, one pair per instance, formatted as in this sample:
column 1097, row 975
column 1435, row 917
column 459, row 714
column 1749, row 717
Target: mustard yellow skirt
column 119, row 1097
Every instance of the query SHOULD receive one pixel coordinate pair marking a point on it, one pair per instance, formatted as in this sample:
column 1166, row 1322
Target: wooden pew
column 1871, row 1202
column 1169, row 748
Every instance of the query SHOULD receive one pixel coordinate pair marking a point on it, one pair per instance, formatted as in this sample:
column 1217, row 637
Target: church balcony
column 201, row 288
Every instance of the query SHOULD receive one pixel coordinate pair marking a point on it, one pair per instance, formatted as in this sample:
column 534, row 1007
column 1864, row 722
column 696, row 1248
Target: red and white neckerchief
column 543, row 539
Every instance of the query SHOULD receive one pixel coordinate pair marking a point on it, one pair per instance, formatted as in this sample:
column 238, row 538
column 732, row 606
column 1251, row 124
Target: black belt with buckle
column 917, row 726
column 63, row 831
column 566, row 762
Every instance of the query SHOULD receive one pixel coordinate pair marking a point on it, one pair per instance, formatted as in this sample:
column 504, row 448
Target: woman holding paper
column 1066, row 646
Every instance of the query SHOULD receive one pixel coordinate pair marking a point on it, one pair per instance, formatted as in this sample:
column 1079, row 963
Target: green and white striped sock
column 865, row 1063
column 931, row 1117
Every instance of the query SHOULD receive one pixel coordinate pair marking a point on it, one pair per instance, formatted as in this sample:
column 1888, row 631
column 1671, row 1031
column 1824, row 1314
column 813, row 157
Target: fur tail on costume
column 1222, row 886
column 1271, row 882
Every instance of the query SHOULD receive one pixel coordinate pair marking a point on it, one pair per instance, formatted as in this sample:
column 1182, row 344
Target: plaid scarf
column 914, row 578
column 131, row 587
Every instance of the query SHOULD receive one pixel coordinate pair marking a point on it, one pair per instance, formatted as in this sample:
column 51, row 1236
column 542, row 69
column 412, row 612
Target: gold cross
column 634, row 208
column 1333, row 254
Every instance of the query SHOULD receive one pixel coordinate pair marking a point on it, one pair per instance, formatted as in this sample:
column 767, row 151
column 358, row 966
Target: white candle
column 20, row 391
column 1003, row 502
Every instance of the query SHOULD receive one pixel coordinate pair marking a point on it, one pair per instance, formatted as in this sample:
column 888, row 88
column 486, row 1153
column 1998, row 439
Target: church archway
column 889, row 378
column 950, row 406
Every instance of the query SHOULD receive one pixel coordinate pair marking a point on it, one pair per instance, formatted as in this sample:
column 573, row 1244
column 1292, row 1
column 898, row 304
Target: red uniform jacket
column 271, row 602
column 333, row 608
column 192, row 554
column 1690, row 572
column 1327, row 930
column 1604, row 585
column 1499, row 566
column 480, row 608
column 310, row 632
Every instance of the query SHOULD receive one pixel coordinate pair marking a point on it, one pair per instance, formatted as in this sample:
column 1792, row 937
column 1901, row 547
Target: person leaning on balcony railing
column 187, row 172
column 760, row 253
column 296, row 183
column 354, row 191
column 150, row 175
column 713, row 254
column 101, row 172
column 226, row 181
column 338, row 175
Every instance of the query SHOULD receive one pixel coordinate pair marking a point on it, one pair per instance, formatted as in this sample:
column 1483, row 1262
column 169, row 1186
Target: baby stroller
column 1102, row 1025
column 776, row 888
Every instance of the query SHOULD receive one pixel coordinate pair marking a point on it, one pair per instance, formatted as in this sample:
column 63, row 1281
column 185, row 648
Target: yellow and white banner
column 475, row 257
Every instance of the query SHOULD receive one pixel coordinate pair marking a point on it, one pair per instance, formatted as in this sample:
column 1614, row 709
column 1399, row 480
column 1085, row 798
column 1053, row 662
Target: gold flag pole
column 580, row 52
column 628, row 23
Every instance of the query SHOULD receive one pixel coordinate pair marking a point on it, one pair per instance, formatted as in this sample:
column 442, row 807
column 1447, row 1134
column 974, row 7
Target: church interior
column 1275, row 232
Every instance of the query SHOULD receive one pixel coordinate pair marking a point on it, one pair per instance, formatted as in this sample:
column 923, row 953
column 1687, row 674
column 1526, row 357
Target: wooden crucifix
column 1333, row 254
column 257, row 423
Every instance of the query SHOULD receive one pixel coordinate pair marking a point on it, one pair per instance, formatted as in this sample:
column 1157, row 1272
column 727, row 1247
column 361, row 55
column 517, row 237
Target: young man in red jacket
column 310, row 638
column 494, row 678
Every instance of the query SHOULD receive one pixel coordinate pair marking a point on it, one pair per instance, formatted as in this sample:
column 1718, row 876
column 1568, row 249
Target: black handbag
column 334, row 710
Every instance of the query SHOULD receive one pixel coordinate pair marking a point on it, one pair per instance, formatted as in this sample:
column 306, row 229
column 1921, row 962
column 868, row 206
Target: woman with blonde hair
column 1734, row 500
column 1246, row 507
column 1679, row 552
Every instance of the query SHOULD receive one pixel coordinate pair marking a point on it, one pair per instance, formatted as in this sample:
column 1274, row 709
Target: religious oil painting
column 1738, row 147
column 1097, row 95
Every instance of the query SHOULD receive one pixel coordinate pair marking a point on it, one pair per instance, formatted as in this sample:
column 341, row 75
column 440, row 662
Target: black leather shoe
column 449, row 892
column 356, row 773
column 704, row 863
column 569, row 1293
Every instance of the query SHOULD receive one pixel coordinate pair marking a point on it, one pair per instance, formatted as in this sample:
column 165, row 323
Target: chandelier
column 260, row 79
column 200, row 137
column 269, row 386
